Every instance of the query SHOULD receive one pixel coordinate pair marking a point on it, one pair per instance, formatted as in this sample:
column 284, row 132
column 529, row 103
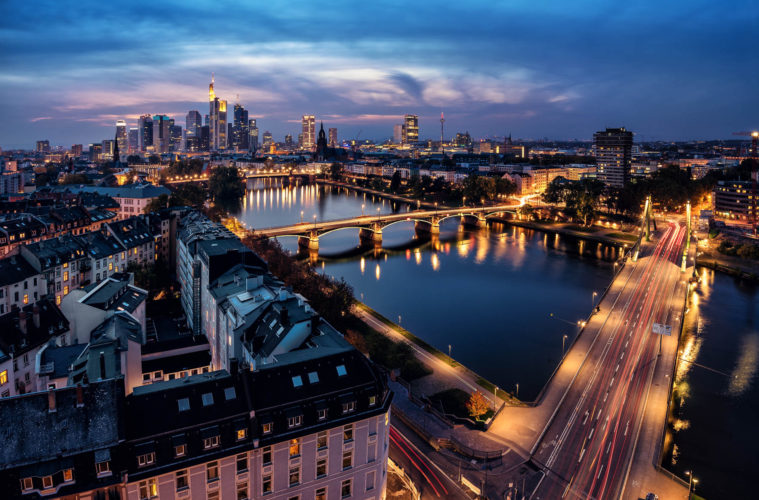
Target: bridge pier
column 311, row 242
column 427, row 228
column 367, row 235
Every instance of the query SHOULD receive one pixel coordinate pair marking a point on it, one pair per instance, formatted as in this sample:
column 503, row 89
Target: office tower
column 94, row 151
column 410, row 129
column 398, row 133
column 289, row 141
column 309, row 131
column 205, row 138
column 333, row 137
column 193, row 123
column 161, row 133
column 121, row 136
column 133, row 140
column 76, row 150
column 217, row 121
column 240, row 131
column 106, row 152
column 145, row 134
column 175, row 132
column 613, row 148
column 253, row 131
column 43, row 146
column 300, row 141
column 267, row 139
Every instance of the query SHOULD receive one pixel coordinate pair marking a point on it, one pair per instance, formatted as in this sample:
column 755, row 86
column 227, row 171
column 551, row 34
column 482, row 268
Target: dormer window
column 341, row 371
column 27, row 484
column 267, row 427
column 349, row 406
column 294, row 421
column 372, row 400
column 47, row 482
column 146, row 459
column 210, row 442
column 103, row 468
column 321, row 414
column 297, row 381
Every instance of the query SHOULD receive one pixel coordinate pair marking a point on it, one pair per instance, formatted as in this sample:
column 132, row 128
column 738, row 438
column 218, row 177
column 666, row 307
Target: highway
column 588, row 447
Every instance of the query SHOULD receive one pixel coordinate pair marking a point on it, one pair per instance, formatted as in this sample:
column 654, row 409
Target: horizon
column 535, row 71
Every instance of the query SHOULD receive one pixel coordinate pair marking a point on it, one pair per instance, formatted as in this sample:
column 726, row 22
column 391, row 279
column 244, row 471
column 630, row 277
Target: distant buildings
column 217, row 120
column 121, row 137
column 161, row 133
column 132, row 199
column 240, row 129
column 133, row 141
column 308, row 127
column 398, row 133
column 410, row 132
column 613, row 150
column 193, row 122
column 735, row 200
column 333, row 137
column 43, row 146
column 76, row 150
column 253, row 131
column 145, row 132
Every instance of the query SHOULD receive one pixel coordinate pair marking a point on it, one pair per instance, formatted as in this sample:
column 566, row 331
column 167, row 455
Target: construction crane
column 753, row 153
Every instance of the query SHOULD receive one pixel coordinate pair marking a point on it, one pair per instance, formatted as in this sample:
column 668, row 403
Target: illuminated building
column 289, row 141
column 106, row 153
column 205, row 138
column 321, row 145
column 253, row 131
column 410, row 129
column 43, row 147
column 76, row 150
column 94, row 151
column 734, row 200
column 613, row 148
column 267, row 139
column 193, row 122
column 240, row 133
column 333, row 137
column 145, row 132
column 217, row 120
column 161, row 133
column 398, row 133
column 121, row 136
column 133, row 139
column 309, row 132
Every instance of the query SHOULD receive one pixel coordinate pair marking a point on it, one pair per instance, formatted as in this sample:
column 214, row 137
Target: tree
column 477, row 404
column 75, row 179
column 131, row 159
column 336, row 171
column 157, row 204
column 395, row 182
column 225, row 184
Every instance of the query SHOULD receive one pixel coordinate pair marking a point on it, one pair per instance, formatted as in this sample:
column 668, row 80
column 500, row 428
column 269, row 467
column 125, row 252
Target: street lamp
column 692, row 481
column 362, row 209
column 495, row 396
column 563, row 340
column 399, row 319
column 378, row 213
column 517, row 393
column 449, row 350
column 314, row 221
column 593, row 299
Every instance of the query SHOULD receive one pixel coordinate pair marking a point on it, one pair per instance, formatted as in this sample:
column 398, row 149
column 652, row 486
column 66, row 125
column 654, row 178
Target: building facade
column 308, row 129
column 613, row 151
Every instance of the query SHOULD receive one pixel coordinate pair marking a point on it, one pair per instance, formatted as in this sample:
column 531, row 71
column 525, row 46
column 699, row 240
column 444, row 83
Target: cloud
column 40, row 118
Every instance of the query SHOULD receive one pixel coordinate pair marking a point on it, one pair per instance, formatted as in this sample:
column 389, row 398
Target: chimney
column 36, row 315
column 234, row 366
column 102, row 365
column 51, row 400
column 79, row 396
column 22, row 321
column 251, row 283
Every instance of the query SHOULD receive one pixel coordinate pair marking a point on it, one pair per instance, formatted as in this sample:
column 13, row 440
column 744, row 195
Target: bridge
column 426, row 222
column 247, row 174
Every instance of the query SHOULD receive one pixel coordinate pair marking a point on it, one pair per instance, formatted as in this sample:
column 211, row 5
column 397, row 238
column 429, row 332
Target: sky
column 671, row 70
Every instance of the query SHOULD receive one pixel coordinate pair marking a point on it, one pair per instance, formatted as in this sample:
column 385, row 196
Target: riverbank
column 381, row 194
column 733, row 266
column 598, row 234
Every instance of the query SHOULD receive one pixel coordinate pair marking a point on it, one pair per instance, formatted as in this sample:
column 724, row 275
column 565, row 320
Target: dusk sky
column 556, row 69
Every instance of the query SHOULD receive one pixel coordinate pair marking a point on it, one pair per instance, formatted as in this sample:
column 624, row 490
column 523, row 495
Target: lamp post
column 563, row 340
column 517, row 393
column 691, row 481
column 495, row 397
column 314, row 221
column 362, row 209
column 378, row 213
column 449, row 350
column 593, row 299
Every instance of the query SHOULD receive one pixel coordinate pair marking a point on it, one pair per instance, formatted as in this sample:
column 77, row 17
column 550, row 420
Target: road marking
column 606, row 396
column 627, row 426
column 591, row 433
column 582, row 453
column 600, row 471
column 608, row 447
column 611, row 381
column 599, row 414
column 617, row 368
column 586, row 417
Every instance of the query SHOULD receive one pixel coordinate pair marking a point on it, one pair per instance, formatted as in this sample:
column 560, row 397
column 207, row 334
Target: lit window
column 65, row 275
column 372, row 400
column 347, row 459
column 212, row 471
column 267, row 427
column 65, row 290
column 180, row 450
column 321, row 494
column 110, row 266
column 27, row 484
column 321, row 439
column 321, row 467
column 242, row 434
column 148, row 489
column 348, row 432
column 47, row 482
column 3, row 377
column 294, row 447
column 26, row 298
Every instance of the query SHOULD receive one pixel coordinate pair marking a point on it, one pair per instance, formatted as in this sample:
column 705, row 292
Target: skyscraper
column 289, row 141
column 161, row 133
column 121, row 136
column 613, row 155
column 217, row 120
column 175, row 133
column 398, row 133
column 309, row 132
column 240, row 133
column 205, row 138
column 133, row 140
column 267, row 139
column 193, row 122
column 43, row 146
column 106, row 152
column 76, row 150
column 333, row 137
column 145, row 133
column 253, row 131
column 410, row 129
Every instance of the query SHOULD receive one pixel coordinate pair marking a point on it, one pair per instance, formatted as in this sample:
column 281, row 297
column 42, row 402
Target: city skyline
column 544, row 71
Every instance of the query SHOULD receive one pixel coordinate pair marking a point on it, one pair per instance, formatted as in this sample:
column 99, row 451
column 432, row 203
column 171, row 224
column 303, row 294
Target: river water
column 504, row 298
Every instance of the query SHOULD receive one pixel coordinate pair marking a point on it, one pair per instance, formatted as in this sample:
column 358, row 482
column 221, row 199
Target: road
column 588, row 447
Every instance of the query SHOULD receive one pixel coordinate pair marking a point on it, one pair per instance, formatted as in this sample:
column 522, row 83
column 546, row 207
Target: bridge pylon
column 647, row 218
column 687, row 237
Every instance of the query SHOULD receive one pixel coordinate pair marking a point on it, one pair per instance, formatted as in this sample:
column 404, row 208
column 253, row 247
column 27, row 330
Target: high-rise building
column 410, row 129
column 145, row 132
column 267, row 139
column 76, row 150
column 94, row 151
column 43, row 147
column 175, row 132
column 253, row 131
column 217, row 120
column 106, row 153
column 240, row 131
column 333, row 137
column 133, row 139
column 289, row 141
column 398, row 133
column 309, row 131
column 205, row 138
column 161, row 133
column 613, row 148
column 193, row 122
column 121, row 136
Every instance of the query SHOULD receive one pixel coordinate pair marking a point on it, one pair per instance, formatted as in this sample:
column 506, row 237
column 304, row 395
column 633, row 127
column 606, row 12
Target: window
column 267, row 427
column 321, row 494
column 297, row 381
column 210, row 442
column 242, row 491
column 295, row 421
column 371, row 452
column 207, row 399
column 321, row 413
column 313, row 377
column 47, row 482
column 349, row 406
column 321, row 439
column 348, row 432
column 345, row 488
column 181, row 478
column 3, row 377
column 266, row 455
column 213, row 495
column 184, row 404
column 27, row 483
column 66, row 290
column 26, row 298
column 242, row 462
column 266, row 484
column 372, row 400
column 321, row 467
column 370, row 480
column 212, row 471
column 26, row 359
column 229, row 393
column 146, row 459
column 110, row 266
column 341, row 371
column 180, row 450
column 65, row 275
column 294, row 447
column 347, row 459
column 103, row 468
column 148, row 489
column 242, row 434
column 294, row 475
